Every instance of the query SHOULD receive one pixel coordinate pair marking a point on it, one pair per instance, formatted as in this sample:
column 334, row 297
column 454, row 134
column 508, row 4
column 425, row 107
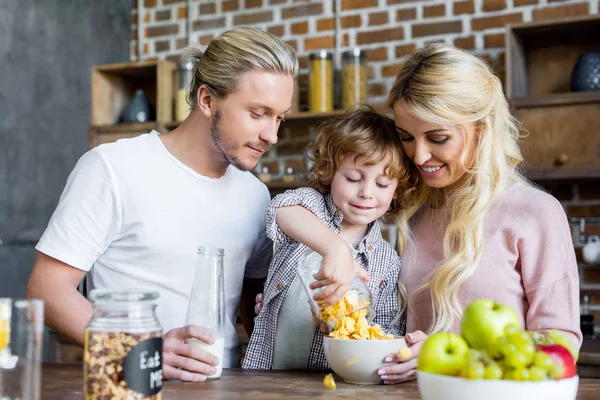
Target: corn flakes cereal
column 405, row 352
column 329, row 382
column 358, row 329
column 349, row 304
column 349, row 319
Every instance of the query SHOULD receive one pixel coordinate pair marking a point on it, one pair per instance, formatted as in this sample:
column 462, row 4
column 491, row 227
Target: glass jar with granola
column 123, row 347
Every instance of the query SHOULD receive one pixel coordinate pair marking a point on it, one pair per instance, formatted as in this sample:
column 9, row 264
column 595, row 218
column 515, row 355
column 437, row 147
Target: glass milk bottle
column 207, row 302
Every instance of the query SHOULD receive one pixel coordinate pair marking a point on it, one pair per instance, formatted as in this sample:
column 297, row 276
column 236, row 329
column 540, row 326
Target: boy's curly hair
column 371, row 137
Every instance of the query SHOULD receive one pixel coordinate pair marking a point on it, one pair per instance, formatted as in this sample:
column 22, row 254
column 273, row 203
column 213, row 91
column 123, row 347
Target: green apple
column 443, row 353
column 483, row 322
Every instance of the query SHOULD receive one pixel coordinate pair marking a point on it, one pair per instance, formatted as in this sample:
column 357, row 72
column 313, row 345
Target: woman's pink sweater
column 528, row 262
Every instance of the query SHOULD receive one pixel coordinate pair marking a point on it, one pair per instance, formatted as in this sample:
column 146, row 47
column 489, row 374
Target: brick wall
column 387, row 30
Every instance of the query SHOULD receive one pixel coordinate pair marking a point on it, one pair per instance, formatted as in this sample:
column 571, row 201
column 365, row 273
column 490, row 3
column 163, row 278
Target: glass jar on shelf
column 265, row 175
column 123, row 347
column 321, row 82
column 289, row 176
column 182, row 108
column 358, row 299
column 354, row 78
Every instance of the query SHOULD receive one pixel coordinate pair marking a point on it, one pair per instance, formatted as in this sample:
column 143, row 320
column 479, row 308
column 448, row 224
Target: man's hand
column 336, row 273
column 184, row 361
column 259, row 303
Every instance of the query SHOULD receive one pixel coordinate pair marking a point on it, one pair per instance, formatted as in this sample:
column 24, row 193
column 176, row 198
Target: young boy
column 359, row 175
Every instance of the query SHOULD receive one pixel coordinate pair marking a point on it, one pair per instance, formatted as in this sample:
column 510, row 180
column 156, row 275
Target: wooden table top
column 65, row 382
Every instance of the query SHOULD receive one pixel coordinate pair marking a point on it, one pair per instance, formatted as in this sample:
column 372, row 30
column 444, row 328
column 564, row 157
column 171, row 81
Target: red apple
column 562, row 358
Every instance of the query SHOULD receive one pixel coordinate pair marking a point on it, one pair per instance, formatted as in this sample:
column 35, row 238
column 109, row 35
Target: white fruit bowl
column 441, row 387
column 357, row 361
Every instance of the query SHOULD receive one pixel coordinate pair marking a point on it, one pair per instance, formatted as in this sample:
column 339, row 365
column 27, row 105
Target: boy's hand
column 336, row 273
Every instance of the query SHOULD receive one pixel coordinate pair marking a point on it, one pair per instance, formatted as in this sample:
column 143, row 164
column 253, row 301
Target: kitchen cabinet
column 560, row 127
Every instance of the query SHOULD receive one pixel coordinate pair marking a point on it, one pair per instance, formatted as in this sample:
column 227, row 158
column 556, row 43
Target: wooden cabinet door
column 561, row 141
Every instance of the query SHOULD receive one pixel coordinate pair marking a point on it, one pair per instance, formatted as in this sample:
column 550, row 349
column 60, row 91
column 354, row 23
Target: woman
column 473, row 227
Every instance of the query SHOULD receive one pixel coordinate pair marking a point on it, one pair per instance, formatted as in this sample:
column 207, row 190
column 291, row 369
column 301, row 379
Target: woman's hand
column 336, row 273
column 405, row 368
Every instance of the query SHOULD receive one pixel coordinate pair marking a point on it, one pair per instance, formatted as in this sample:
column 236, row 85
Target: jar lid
column 354, row 53
column 133, row 296
column 322, row 55
column 211, row 251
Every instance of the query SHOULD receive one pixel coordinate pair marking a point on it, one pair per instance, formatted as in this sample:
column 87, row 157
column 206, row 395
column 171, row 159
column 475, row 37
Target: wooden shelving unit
column 113, row 86
column 560, row 126
column 557, row 99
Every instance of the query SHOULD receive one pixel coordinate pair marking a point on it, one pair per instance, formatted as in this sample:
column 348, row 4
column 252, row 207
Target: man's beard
column 225, row 149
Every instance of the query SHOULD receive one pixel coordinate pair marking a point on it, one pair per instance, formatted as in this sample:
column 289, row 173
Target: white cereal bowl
column 441, row 387
column 357, row 361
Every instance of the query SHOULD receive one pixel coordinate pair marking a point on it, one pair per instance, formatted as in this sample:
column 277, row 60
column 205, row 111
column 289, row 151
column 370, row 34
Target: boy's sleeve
column 308, row 198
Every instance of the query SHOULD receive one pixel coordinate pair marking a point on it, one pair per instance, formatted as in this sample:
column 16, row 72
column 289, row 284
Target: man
column 134, row 212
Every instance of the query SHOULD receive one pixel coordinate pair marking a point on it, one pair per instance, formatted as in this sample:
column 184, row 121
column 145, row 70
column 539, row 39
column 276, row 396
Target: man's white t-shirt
column 134, row 216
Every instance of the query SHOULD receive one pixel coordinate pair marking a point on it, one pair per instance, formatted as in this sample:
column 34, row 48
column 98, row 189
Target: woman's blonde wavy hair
column 443, row 85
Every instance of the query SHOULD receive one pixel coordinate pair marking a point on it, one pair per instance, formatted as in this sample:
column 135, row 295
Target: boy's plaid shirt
column 375, row 255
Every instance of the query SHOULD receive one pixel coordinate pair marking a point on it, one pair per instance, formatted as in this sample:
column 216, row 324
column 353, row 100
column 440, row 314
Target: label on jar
column 142, row 367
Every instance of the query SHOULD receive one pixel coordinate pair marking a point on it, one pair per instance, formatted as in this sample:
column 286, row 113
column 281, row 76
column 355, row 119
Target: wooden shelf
column 281, row 185
column 559, row 126
column 563, row 174
column 307, row 115
column 540, row 56
column 558, row 99
column 299, row 118
column 114, row 85
column 100, row 134
column 133, row 127
column 105, row 133
column 171, row 125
